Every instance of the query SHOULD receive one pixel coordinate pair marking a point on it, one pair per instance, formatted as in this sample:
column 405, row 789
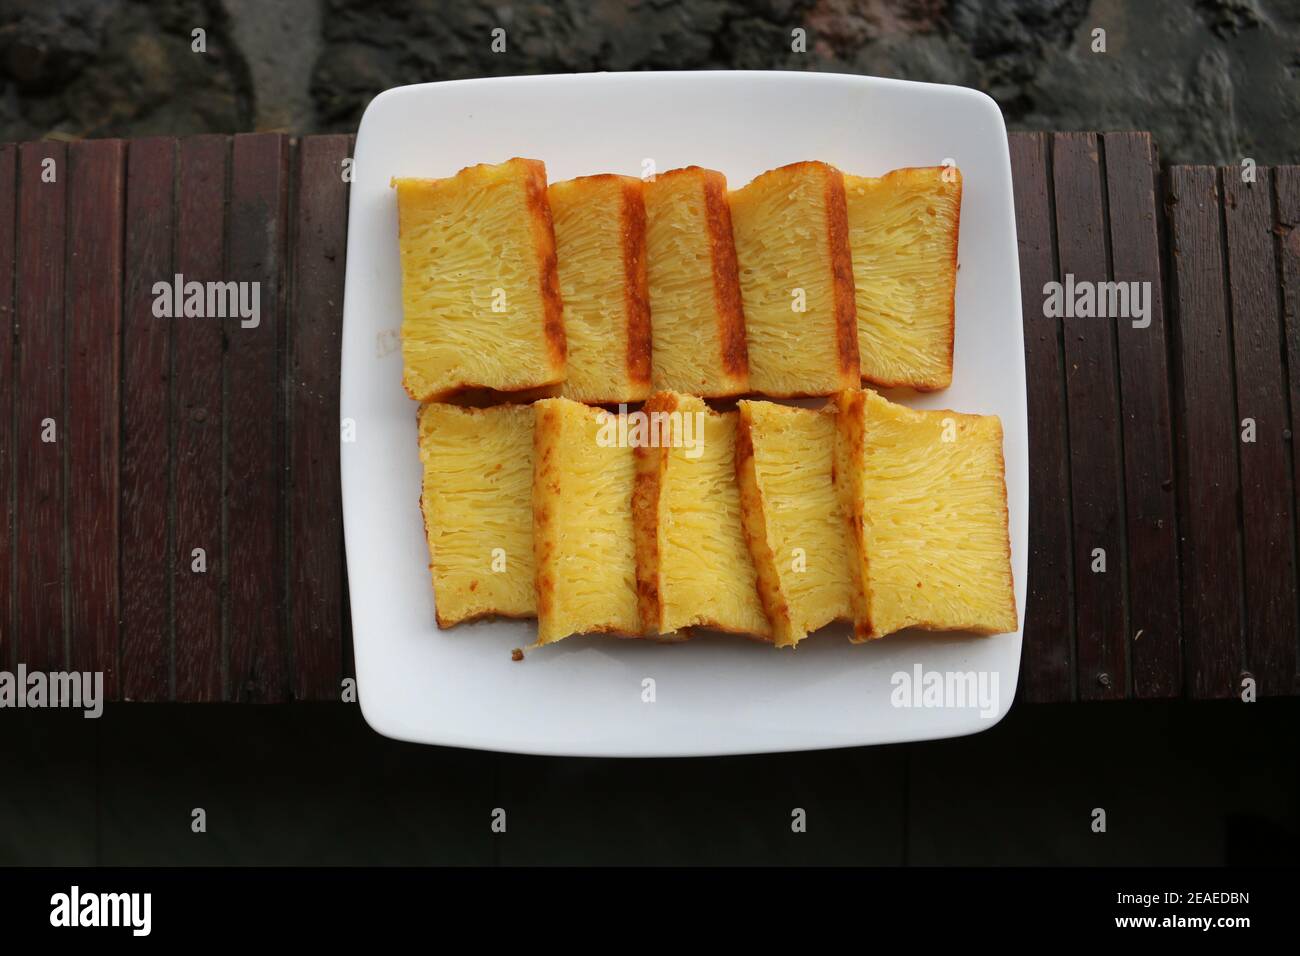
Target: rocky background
column 1214, row 80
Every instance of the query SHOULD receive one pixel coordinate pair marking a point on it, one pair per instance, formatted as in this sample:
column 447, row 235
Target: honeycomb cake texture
column 583, row 533
column 903, row 230
column 600, row 248
column 695, row 308
column 481, row 307
column 693, row 564
column 785, row 459
column 477, row 505
column 926, row 497
column 796, row 281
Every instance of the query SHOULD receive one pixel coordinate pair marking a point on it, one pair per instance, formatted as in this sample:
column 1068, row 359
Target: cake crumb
column 517, row 654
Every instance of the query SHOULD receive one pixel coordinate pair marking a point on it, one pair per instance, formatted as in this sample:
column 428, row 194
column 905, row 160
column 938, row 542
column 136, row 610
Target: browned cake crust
column 636, row 292
column 646, row 490
column 850, row 438
column 539, row 209
column 952, row 303
column 846, row 309
column 545, row 425
column 752, row 514
column 726, row 276
column 474, row 396
column 733, row 350
column 424, row 518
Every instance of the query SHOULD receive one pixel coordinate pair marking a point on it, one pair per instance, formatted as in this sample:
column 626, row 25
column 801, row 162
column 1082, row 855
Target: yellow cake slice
column 903, row 233
column 796, row 281
column 796, row 532
column 600, row 246
column 693, row 563
column 481, row 305
column 927, row 500
column 477, row 505
column 583, row 535
column 696, row 315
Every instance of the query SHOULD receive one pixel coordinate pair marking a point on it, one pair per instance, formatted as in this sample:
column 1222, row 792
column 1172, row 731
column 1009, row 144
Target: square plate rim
column 372, row 710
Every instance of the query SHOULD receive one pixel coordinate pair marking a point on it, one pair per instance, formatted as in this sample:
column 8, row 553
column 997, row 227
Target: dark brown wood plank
column 8, row 455
column 1096, row 456
column 1207, row 430
column 197, row 354
column 1286, row 185
column 146, row 416
column 1047, row 658
column 95, row 217
column 1152, row 503
column 258, row 665
column 315, row 574
column 41, row 262
column 1267, row 492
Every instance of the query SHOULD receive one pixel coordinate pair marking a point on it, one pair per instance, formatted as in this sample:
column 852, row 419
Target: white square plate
column 716, row 695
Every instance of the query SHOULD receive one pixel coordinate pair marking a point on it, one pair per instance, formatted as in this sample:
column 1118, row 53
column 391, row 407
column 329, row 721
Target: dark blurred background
column 1191, row 784
column 1214, row 80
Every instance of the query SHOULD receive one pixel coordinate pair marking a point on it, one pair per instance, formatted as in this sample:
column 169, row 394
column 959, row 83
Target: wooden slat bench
column 171, row 490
